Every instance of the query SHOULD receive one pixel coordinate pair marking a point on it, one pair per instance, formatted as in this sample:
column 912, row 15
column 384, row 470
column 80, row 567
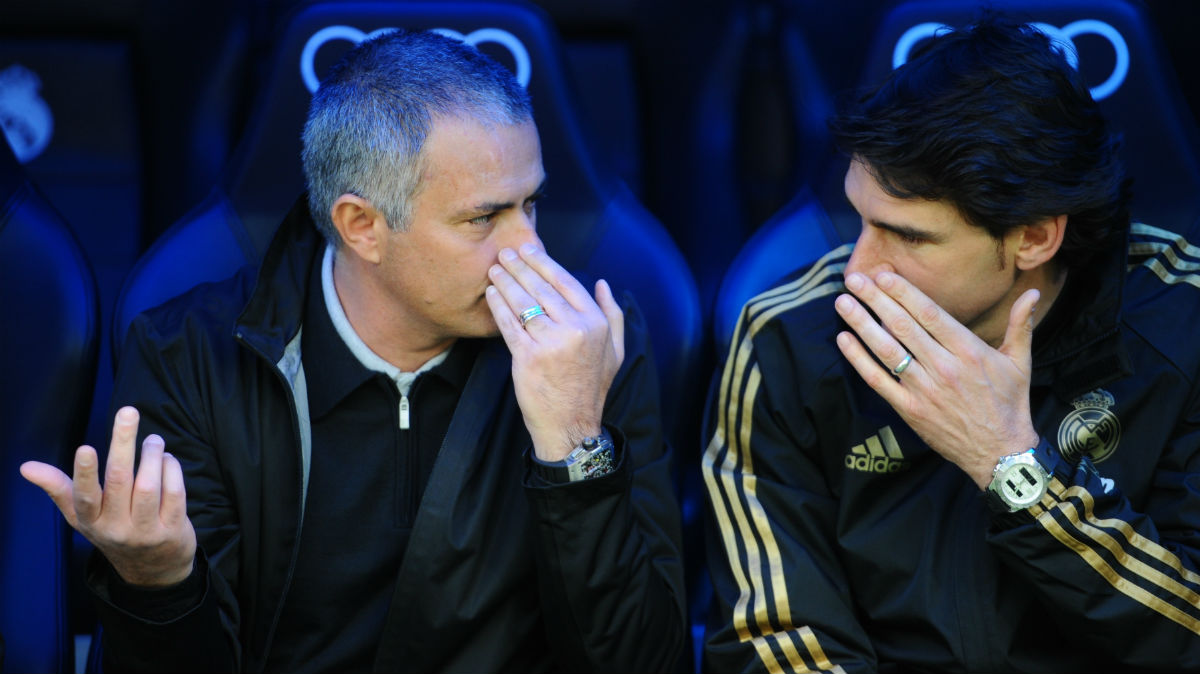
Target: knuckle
column 873, row 379
column 947, row 373
column 901, row 327
column 142, row 490
column 86, row 501
column 118, row 475
column 929, row 314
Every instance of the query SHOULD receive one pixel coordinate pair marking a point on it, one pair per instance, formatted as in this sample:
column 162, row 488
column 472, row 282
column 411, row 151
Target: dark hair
column 368, row 121
column 993, row 120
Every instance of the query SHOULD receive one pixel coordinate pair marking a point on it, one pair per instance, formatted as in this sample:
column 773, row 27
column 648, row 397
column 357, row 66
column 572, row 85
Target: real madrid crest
column 1092, row 429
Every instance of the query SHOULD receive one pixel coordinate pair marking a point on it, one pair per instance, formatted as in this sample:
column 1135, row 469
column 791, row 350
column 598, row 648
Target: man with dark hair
column 409, row 440
column 911, row 469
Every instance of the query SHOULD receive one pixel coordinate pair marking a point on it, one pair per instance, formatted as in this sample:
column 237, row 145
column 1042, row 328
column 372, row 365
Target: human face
column 963, row 268
column 478, row 194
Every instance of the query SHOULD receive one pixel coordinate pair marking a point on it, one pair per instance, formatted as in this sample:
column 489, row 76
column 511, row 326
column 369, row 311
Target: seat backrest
column 754, row 128
column 590, row 222
column 48, row 351
column 120, row 111
column 1120, row 54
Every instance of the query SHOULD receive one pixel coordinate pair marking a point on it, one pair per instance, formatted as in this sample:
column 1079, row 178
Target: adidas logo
column 878, row 454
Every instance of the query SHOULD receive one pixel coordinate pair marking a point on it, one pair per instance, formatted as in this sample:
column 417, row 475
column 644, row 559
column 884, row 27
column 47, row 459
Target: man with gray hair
column 445, row 453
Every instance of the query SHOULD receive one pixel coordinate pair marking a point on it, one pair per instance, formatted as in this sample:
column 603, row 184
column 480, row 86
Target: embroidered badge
column 1092, row 429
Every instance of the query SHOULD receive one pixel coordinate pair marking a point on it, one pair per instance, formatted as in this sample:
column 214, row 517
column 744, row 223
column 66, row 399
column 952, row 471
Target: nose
column 867, row 257
column 520, row 230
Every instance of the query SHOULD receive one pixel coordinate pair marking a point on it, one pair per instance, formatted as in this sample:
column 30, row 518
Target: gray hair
column 369, row 119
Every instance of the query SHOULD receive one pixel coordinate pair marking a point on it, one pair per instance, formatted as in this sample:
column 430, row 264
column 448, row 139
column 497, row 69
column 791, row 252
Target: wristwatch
column 592, row 458
column 1018, row 481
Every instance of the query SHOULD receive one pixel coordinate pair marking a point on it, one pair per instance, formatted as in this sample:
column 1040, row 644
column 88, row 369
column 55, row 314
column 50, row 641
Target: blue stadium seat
column 123, row 114
column 1123, row 60
column 48, row 352
column 591, row 222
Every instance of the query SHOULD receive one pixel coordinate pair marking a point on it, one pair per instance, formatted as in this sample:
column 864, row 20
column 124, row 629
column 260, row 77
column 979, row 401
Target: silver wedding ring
column 535, row 310
column 902, row 365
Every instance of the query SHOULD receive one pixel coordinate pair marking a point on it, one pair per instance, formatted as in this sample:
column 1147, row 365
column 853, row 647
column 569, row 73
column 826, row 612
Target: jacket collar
column 274, row 313
column 1077, row 347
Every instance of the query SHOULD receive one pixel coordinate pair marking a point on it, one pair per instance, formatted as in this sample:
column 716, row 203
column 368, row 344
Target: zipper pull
column 403, row 412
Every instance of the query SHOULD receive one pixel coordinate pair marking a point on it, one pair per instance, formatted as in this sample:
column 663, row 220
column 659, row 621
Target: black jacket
column 839, row 539
column 497, row 575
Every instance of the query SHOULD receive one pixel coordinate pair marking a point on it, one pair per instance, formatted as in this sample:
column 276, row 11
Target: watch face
column 1022, row 485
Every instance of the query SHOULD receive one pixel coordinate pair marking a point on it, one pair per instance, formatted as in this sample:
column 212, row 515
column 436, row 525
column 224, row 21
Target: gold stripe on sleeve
column 1089, row 526
column 724, row 491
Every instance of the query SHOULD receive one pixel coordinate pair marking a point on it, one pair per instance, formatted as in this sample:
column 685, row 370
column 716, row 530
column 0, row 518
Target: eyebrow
column 495, row 206
column 906, row 230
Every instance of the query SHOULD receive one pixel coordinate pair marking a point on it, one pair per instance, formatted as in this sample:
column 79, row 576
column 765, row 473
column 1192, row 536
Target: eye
column 482, row 220
column 909, row 239
column 530, row 204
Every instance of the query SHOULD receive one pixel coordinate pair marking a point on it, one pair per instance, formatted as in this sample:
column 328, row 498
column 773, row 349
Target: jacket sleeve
column 609, row 564
column 202, row 638
column 782, row 601
column 1128, row 576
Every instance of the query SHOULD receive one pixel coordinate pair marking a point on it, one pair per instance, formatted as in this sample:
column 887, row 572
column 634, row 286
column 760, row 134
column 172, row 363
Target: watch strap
column 593, row 457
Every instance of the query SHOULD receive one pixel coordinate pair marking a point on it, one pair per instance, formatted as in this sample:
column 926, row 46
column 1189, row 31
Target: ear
column 1038, row 243
column 361, row 226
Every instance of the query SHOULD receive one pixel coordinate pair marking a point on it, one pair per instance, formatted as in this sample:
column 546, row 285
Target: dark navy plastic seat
column 48, row 351
column 123, row 113
column 1122, row 59
column 591, row 222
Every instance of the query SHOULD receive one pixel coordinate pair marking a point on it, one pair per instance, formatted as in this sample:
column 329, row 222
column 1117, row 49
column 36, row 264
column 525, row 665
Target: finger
column 118, row 472
column 174, row 495
column 531, row 285
column 515, row 336
column 517, row 295
column 1018, row 338
column 55, row 483
column 880, row 380
column 905, row 309
column 880, row 341
column 147, row 486
column 564, row 283
column 88, row 497
column 616, row 317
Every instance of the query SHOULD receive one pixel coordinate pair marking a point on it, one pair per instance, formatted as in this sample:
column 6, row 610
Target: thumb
column 56, row 484
column 1018, row 338
column 616, row 317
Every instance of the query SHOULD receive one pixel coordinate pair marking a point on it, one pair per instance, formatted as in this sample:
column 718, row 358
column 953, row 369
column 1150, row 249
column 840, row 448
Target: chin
column 484, row 327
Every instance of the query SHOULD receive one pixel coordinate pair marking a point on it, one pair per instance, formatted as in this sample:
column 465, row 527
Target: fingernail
column 490, row 290
column 885, row 280
column 507, row 254
column 528, row 249
column 494, row 270
column 855, row 281
column 843, row 304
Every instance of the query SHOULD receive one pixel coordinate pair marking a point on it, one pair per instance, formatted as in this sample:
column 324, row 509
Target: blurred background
column 128, row 119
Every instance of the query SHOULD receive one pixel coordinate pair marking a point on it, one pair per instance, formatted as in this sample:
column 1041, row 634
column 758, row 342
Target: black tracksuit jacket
column 499, row 575
column 838, row 541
